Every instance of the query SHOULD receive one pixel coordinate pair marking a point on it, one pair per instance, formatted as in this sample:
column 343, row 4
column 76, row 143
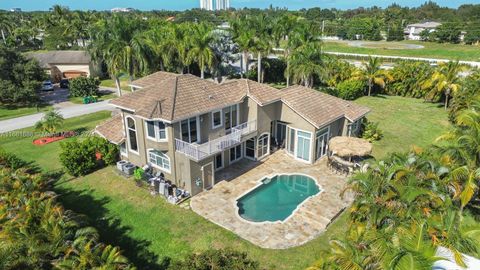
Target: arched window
column 132, row 134
column 263, row 145
column 159, row 159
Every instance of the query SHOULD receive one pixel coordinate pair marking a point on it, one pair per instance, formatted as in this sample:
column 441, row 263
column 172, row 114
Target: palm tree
column 243, row 35
column 51, row 121
column 373, row 74
column 301, row 35
column 120, row 44
column 305, row 63
column 262, row 42
column 444, row 80
column 200, row 51
column 6, row 25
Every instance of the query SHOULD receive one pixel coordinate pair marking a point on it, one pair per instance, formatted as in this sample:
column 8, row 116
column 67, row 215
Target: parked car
column 64, row 83
column 47, row 86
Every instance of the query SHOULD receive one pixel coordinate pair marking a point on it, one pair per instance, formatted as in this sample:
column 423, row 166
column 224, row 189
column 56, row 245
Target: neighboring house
column 65, row 64
column 413, row 31
column 188, row 128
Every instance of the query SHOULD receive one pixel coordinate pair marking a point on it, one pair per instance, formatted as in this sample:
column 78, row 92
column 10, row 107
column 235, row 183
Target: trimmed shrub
column 351, row 89
column 80, row 157
column 84, row 86
column 10, row 160
column 223, row 259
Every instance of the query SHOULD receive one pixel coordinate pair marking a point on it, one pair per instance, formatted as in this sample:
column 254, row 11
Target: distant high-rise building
column 222, row 4
column 206, row 4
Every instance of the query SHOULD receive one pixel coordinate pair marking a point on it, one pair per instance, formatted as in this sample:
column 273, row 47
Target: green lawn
column 7, row 112
column 111, row 83
column 151, row 231
column 430, row 50
column 102, row 97
column 46, row 156
column 404, row 122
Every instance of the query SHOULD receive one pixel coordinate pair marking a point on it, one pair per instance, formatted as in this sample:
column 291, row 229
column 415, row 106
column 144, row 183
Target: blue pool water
column 276, row 198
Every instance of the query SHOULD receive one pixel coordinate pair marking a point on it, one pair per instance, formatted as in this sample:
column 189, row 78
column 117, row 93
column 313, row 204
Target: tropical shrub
column 463, row 98
column 223, row 259
column 338, row 70
column 80, row 157
column 38, row 233
column 407, row 78
column 84, row 86
column 11, row 160
column 370, row 131
column 351, row 89
column 50, row 122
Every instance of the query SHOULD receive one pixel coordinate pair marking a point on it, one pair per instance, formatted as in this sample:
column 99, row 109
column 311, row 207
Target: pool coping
column 259, row 183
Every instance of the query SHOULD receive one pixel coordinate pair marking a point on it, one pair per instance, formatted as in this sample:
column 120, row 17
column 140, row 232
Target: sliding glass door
column 322, row 143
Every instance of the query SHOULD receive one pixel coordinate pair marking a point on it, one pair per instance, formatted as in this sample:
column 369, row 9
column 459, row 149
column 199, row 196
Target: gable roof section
column 171, row 97
column 112, row 129
column 320, row 108
column 60, row 57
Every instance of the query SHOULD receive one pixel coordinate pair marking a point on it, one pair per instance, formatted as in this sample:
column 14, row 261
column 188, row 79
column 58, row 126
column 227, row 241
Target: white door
column 303, row 145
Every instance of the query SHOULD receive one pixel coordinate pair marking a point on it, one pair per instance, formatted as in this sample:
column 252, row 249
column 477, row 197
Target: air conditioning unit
column 129, row 168
column 121, row 164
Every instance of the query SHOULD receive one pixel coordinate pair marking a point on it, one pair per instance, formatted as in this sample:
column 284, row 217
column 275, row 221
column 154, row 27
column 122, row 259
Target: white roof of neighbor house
column 449, row 262
column 429, row 24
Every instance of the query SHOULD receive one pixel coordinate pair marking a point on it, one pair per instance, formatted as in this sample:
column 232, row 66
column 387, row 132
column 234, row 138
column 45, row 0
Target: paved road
column 67, row 112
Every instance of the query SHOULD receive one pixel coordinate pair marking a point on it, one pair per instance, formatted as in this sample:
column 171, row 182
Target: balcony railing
column 198, row 152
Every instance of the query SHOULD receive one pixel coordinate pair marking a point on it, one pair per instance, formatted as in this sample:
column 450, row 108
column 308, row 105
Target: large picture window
column 159, row 159
column 156, row 130
column 132, row 134
column 189, row 130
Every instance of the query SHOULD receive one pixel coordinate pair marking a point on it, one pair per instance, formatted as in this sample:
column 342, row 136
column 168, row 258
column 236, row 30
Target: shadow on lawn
column 110, row 228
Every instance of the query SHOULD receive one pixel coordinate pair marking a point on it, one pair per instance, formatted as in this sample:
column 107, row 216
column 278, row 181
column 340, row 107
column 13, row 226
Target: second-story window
column 132, row 134
column 156, row 130
column 189, row 130
column 216, row 119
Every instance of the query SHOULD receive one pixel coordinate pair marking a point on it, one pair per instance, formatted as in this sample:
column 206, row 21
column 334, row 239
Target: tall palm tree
column 262, row 42
column 444, row 80
column 305, row 63
column 6, row 26
column 244, row 36
column 373, row 74
column 200, row 51
column 119, row 43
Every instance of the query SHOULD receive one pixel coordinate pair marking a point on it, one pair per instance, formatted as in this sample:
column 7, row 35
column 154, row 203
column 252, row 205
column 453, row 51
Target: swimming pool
column 276, row 198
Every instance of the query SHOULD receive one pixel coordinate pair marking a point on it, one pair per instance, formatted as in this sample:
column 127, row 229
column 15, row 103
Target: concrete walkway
column 66, row 111
column 309, row 221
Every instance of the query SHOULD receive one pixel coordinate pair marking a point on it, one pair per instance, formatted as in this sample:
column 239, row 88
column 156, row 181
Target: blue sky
column 187, row 4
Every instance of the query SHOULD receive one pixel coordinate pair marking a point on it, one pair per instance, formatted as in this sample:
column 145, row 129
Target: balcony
column 198, row 152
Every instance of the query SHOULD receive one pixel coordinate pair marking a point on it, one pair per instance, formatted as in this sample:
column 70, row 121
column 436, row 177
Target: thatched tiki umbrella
column 349, row 147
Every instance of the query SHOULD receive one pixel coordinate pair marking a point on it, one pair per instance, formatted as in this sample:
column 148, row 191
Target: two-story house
column 189, row 128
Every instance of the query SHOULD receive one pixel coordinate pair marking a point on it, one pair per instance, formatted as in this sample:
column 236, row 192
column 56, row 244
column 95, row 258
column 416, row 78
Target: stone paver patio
column 310, row 220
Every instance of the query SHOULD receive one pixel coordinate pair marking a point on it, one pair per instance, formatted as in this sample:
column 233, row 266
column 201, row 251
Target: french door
column 303, row 145
column 321, row 143
column 250, row 149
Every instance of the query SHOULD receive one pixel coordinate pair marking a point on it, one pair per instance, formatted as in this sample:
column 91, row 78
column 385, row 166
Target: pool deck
column 309, row 221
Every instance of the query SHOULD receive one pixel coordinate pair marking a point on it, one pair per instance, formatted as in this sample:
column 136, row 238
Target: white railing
column 247, row 127
column 198, row 152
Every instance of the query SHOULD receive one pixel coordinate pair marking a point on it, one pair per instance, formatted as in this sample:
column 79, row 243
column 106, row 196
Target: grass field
column 151, row 232
column 430, row 50
column 46, row 156
column 12, row 112
column 404, row 122
column 111, row 83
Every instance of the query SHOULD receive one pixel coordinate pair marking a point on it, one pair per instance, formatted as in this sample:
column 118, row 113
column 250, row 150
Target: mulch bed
column 54, row 138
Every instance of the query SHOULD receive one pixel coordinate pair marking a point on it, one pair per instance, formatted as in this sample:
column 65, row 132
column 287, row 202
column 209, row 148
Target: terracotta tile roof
column 262, row 93
column 320, row 108
column 112, row 129
column 172, row 97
